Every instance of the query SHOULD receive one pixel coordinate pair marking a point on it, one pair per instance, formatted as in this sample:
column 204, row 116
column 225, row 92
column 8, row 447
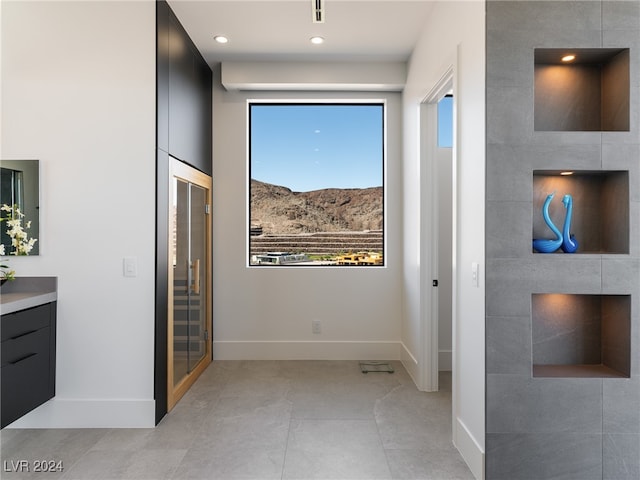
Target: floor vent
column 371, row 366
column 317, row 10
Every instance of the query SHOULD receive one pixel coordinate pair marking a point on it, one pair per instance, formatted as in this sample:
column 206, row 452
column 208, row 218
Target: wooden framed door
column 189, row 277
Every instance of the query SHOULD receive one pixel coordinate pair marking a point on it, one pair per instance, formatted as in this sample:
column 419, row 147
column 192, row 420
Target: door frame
column 429, row 229
column 183, row 171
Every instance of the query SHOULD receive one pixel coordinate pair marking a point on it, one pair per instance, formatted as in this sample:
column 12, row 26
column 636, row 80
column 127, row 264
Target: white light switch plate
column 130, row 266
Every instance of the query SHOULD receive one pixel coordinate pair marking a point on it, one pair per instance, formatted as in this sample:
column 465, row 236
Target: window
column 316, row 193
column 445, row 122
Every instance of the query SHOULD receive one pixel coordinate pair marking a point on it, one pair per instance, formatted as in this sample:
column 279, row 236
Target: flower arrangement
column 20, row 241
column 6, row 273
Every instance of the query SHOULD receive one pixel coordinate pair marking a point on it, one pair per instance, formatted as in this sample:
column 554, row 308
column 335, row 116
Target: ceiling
column 279, row 30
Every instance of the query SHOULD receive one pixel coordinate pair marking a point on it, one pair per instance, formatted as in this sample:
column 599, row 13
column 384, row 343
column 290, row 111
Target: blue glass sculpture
column 544, row 245
column 569, row 243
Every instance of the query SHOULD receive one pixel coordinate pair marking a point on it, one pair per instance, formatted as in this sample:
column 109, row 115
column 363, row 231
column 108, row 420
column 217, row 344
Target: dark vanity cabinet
column 28, row 353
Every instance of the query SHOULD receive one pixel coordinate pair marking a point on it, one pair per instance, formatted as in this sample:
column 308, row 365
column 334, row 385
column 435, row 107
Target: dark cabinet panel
column 162, row 280
column 184, row 95
column 28, row 360
column 19, row 348
column 162, row 76
column 25, row 321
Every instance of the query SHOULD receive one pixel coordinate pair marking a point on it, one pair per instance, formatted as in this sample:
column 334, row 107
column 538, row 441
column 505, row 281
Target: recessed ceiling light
column 568, row 58
column 221, row 39
column 566, row 173
column 316, row 40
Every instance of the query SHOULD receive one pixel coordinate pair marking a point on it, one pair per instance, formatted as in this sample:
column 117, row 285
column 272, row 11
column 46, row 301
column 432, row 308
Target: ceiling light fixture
column 566, row 173
column 316, row 40
column 221, row 39
column 569, row 58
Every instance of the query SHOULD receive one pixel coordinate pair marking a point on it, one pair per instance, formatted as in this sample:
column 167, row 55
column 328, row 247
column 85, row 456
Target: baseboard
column 64, row 413
column 305, row 350
column 470, row 449
column 410, row 364
column 444, row 360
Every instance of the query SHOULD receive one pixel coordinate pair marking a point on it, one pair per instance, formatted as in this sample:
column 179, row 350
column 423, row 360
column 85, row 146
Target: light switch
column 130, row 266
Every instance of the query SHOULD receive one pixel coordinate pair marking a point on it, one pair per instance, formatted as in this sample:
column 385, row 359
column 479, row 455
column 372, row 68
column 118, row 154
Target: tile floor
column 267, row 420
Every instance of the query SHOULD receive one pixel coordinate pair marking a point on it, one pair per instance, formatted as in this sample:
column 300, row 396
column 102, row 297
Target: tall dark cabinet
column 184, row 94
column 184, row 131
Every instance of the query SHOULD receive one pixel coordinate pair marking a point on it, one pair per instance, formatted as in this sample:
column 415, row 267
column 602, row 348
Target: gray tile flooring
column 267, row 420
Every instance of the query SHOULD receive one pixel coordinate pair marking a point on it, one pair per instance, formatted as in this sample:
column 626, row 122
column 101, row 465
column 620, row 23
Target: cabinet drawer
column 19, row 348
column 25, row 321
column 25, row 385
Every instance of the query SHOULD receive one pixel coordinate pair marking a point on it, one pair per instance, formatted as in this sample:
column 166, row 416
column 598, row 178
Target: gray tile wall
column 567, row 102
column 554, row 428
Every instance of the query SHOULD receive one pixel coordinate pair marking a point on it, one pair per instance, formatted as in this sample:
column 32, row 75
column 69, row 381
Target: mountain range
column 279, row 210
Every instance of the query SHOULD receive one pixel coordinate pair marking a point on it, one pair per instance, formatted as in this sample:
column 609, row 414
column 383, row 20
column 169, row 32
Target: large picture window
column 316, row 184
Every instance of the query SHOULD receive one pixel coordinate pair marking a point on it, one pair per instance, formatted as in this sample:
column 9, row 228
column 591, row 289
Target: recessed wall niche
column 581, row 335
column 600, row 210
column 588, row 93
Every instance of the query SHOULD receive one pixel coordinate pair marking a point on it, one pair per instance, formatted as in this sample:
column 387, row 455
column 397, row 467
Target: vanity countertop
column 27, row 292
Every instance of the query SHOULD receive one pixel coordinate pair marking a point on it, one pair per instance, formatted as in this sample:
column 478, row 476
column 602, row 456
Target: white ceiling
column 279, row 30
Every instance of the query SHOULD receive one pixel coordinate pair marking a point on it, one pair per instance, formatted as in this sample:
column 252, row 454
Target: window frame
column 382, row 102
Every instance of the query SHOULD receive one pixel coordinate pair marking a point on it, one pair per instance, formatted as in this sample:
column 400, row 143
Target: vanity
column 28, row 345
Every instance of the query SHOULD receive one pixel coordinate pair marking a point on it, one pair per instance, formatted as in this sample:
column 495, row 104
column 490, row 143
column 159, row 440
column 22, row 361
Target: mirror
column 20, row 186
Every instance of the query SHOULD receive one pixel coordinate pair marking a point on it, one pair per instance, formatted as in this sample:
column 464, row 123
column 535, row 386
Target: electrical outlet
column 316, row 326
column 475, row 274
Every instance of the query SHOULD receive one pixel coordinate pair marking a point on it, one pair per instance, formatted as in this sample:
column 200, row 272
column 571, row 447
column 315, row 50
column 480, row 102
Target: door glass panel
column 189, row 343
column 198, row 287
column 180, row 255
column 181, row 274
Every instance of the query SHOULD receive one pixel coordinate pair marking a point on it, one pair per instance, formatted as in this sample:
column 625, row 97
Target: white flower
column 19, row 239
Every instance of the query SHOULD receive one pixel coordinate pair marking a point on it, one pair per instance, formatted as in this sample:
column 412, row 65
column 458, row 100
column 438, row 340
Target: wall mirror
column 20, row 186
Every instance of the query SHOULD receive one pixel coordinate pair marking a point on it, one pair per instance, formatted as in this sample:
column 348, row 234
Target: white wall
column 324, row 76
column 266, row 313
column 78, row 93
column 453, row 36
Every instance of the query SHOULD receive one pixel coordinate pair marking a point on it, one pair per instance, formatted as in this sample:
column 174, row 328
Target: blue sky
column 310, row 147
column 445, row 122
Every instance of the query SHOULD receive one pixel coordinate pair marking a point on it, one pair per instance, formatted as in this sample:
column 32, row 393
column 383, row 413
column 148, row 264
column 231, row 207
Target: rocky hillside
column 278, row 210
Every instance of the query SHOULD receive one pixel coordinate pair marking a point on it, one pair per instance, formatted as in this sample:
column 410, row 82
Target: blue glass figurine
column 544, row 245
column 569, row 243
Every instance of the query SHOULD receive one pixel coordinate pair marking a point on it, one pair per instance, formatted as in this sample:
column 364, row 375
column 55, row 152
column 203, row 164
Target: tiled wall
column 567, row 427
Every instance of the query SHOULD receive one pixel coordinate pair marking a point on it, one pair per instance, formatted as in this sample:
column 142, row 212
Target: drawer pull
column 23, row 334
column 23, row 358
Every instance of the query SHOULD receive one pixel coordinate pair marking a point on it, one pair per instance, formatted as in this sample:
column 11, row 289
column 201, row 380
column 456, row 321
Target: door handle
column 195, row 267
